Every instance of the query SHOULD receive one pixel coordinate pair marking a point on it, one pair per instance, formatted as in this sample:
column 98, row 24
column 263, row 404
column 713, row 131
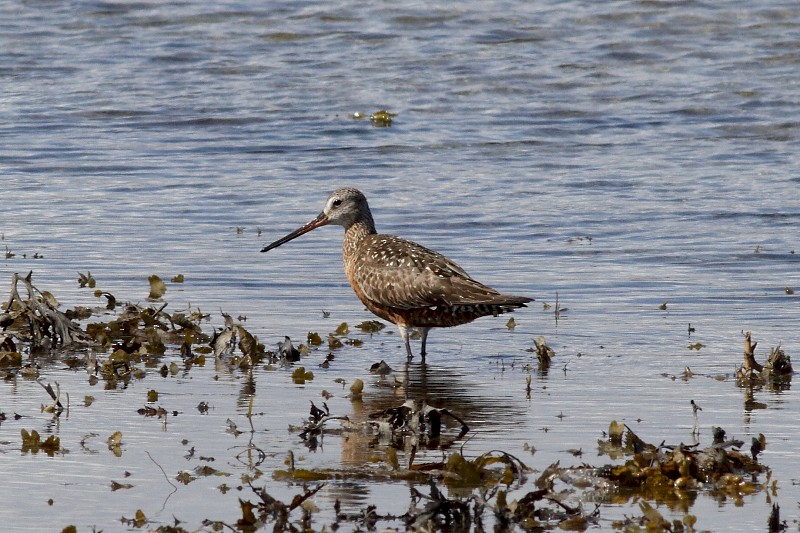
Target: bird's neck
column 355, row 234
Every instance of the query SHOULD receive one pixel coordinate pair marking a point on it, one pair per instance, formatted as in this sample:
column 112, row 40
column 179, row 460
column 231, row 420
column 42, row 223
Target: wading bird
column 402, row 281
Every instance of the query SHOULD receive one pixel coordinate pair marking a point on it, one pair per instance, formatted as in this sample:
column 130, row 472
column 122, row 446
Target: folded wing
column 405, row 275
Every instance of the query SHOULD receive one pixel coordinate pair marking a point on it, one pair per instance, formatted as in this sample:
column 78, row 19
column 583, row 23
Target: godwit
column 402, row 281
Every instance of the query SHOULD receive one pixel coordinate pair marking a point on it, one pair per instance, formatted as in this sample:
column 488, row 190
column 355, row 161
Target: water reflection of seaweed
column 350, row 493
column 440, row 387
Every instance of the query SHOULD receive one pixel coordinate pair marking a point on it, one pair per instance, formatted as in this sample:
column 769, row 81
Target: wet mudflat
column 631, row 165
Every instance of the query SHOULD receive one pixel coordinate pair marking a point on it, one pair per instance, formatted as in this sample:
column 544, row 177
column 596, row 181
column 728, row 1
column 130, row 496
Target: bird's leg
column 406, row 378
column 406, row 340
column 423, row 332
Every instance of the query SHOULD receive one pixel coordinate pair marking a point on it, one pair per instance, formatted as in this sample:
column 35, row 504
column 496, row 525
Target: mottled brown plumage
column 402, row 281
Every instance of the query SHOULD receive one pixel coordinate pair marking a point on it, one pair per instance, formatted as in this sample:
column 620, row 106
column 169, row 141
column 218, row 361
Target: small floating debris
column 56, row 408
column 300, row 375
column 224, row 342
column 371, row 326
column 382, row 118
column 758, row 445
column 138, row 521
column 110, row 299
column 328, row 360
column 557, row 309
column 315, row 425
column 615, row 432
column 115, row 443
column 115, row 485
column 157, row 288
column 382, row 369
column 232, row 336
column 86, row 280
column 356, row 390
column 314, row 338
column 287, row 351
column 334, row 343
column 150, row 411
column 544, row 353
column 33, row 443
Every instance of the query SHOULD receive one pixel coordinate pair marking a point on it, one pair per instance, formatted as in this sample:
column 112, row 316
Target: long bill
column 321, row 220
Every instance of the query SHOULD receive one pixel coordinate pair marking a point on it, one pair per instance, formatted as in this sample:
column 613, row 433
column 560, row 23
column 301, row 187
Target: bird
column 399, row 280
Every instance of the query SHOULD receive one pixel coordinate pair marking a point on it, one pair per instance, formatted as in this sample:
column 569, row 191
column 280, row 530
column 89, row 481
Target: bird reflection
column 447, row 390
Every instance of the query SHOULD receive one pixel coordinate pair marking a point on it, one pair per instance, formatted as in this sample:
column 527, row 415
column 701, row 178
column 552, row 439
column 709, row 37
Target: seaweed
column 457, row 492
column 36, row 320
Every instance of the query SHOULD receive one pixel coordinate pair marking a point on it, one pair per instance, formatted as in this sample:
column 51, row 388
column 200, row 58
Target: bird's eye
column 337, row 202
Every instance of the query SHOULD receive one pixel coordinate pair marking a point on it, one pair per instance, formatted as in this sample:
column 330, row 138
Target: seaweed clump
column 36, row 320
column 672, row 473
column 776, row 369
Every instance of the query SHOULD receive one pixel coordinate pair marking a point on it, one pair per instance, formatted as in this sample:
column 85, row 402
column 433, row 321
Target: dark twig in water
column 174, row 488
column 557, row 312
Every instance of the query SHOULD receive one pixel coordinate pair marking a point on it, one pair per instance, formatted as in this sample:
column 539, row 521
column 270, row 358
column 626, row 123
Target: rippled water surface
column 613, row 155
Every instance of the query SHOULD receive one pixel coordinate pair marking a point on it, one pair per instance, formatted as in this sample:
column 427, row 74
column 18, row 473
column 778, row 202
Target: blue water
column 615, row 155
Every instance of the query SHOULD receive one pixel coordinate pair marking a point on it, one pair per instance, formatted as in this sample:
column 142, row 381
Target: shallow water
column 616, row 156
